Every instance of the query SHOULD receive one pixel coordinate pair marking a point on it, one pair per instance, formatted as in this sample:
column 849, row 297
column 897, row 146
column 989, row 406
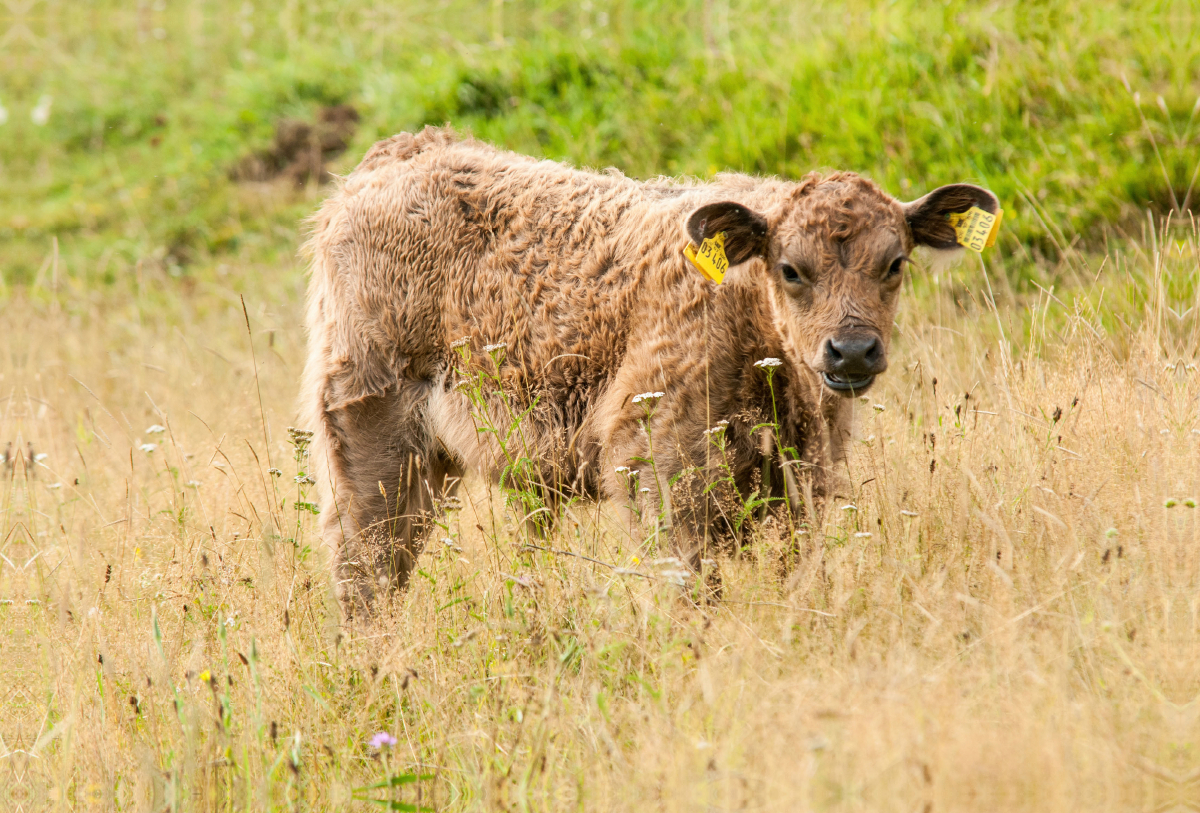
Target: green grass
column 152, row 106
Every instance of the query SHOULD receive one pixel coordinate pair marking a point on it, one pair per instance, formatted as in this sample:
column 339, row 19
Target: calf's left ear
column 929, row 217
column 745, row 230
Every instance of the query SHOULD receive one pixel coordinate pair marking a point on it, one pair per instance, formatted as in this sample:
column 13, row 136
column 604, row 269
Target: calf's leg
column 386, row 473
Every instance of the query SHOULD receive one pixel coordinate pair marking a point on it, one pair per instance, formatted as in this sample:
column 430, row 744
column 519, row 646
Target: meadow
column 1003, row 616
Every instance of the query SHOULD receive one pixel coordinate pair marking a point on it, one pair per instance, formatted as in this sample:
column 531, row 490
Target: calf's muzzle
column 850, row 362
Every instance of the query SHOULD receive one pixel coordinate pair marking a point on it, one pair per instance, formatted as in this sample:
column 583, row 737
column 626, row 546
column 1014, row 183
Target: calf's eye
column 789, row 273
column 895, row 267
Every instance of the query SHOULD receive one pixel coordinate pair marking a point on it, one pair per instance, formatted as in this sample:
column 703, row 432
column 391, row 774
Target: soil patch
column 302, row 148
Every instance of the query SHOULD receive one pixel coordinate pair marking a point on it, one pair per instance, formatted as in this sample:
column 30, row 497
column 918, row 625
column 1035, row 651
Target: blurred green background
column 146, row 138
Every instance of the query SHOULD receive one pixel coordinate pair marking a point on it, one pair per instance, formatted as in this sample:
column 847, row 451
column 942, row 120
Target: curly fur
column 434, row 238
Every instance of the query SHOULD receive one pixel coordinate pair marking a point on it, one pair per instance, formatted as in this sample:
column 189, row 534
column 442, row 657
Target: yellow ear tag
column 975, row 228
column 710, row 260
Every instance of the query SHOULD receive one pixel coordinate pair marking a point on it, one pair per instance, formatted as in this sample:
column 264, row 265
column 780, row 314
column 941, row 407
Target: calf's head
column 835, row 250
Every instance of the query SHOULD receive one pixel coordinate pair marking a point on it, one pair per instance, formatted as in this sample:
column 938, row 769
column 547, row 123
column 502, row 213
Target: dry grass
column 1018, row 629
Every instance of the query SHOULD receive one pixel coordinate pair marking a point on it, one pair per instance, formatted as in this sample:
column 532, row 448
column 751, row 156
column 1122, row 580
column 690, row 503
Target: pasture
column 1003, row 616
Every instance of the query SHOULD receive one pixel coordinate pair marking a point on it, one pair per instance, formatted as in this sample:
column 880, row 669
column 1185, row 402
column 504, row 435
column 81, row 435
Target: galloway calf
column 571, row 292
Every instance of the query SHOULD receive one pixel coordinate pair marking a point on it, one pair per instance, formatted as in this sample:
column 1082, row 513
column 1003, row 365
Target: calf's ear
column 929, row 217
column 745, row 230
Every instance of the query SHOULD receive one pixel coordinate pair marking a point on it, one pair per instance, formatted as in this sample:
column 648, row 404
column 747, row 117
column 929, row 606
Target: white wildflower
column 622, row 470
column 155, row 429
column 849, row 507
column 768, row 362
column 879, row 407
column 647, row 396
column 274, row 472
column 863, row 535
column 495, row 348
column 463, row 342
column 909, row 514
column 38, row 458
column 148, row 447
column 41, row 114
column 716, row 430
column 305, row 480
column 644, row 490
column 673, row 561
column 865, row 399
column 54, row 485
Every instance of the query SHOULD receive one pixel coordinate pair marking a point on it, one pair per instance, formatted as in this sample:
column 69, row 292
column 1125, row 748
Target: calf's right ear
column 929, row 217
column 745, row 230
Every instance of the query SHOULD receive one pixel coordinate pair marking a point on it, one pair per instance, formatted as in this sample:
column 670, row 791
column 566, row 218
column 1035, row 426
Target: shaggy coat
column 436, row 247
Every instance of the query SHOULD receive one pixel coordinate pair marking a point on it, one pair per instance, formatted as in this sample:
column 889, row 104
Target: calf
column 442, row 262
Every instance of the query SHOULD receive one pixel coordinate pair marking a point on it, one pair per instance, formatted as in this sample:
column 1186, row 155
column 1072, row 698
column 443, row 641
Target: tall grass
column 1004, row 619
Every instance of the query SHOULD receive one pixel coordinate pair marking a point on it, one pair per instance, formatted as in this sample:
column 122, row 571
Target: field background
column 1006, row 619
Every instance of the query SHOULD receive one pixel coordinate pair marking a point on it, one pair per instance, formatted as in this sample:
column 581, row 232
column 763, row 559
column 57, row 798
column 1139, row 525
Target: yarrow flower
column 463, row 342
column 879, row 407
column 849, row 507
column 274, row 472
column 156, row 429
column 382, row 740
column 863, row 535
column 622, row 470
column 768, row 362
column 148, row 447
column 305, row 480
column 492, row 348
column 647, row 396
column 908, row 513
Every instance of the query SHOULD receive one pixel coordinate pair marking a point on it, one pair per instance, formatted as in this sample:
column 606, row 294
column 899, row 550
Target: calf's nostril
column 831, row 350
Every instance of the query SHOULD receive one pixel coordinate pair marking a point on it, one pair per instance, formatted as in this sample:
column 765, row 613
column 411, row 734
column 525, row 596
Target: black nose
column 855, row 356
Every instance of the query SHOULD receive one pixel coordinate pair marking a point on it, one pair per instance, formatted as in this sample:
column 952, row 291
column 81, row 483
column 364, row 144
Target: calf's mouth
column 843, row 383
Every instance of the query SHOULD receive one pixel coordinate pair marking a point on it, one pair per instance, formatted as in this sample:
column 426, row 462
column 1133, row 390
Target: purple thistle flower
column 382, row 740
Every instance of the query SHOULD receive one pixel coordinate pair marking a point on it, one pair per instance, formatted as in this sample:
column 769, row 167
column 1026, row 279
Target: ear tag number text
column 975, row 228
column 710, row 259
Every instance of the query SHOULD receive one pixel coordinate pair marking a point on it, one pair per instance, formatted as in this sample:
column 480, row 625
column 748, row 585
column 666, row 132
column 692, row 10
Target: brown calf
column 435, row 247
